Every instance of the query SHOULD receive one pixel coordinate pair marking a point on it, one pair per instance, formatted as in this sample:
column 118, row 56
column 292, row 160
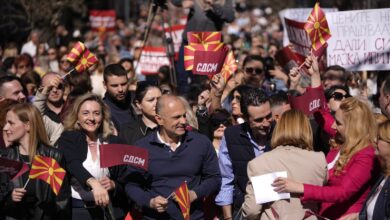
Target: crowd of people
column 213, row 134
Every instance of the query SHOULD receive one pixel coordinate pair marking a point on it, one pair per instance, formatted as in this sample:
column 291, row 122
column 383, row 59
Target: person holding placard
column 30, row 198
column 353, row 166
column 292, row 145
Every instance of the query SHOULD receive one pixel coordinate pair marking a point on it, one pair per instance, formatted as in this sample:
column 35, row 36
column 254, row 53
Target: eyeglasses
column 339, row 96
column 251, row 70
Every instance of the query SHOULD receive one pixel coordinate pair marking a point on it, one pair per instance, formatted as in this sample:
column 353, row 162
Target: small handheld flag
column 183, row 198
column 87, row 60
column 229, row 66
column 317, row 27
column 48, row 170
column 76, row 52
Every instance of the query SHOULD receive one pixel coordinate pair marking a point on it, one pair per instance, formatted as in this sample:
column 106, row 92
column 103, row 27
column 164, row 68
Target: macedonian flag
column 229, row 66
column 204, row 37
column 76, row 52
column 183, row 198
column 317, row 27
column 48, row 170
column 87, row 60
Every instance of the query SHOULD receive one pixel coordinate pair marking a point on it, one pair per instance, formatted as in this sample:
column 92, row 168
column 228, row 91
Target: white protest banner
column 360, row 39
column 297, row 14
column 152, row 59
column 263, row 190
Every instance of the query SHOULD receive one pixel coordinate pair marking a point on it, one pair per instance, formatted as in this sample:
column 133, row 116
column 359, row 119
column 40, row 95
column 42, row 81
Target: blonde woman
column 87, row 125
column 353, row 168
column 292, row 145
column 192, row 120
column 377, row 203
column 24, row 128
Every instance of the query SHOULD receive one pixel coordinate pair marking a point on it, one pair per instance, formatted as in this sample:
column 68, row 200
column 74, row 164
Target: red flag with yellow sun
column 87, row 60
column 183, row 198
column 48, row 170
column 317, row 27
column 81, row 57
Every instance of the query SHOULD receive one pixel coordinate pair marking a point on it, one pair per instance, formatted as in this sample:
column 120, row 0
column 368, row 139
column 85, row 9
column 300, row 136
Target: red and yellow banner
column 189, row 52
column 48, row 170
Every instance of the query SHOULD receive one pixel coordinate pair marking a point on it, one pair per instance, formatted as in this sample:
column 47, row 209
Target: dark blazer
column 49, row 206
column 382, row 204
column 74, row 146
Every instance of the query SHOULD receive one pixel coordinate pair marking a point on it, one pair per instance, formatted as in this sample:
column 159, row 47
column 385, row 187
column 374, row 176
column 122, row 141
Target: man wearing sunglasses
column 254, row 71
column 240, row 144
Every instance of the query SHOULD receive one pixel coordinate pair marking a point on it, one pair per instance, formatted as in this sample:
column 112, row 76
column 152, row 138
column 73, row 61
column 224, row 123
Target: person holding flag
column 175, row 156
column 96, row 194
column 31, row 198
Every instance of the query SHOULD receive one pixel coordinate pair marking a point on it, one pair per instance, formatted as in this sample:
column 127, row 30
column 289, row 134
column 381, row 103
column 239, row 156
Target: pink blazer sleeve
column 357, row 174
column 325, row 120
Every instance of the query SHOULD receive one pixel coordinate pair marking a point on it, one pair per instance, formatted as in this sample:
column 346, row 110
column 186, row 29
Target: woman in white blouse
column 87, row 125
column 377, row 204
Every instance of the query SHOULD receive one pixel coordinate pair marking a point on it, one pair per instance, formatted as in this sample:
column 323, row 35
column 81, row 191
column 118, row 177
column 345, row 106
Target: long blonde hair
column 70, row 121
column 190, row 115
column 360, row 130
column 384, row 135
column 293, row 129
column 28, row 113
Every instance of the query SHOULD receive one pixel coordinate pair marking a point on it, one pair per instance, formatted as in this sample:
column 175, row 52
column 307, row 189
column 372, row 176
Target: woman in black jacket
column 24, row 128
column 96, row 193
column 146, row 96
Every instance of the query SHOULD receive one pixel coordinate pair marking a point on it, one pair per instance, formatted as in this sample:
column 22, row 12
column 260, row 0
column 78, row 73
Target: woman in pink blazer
column 353, row 167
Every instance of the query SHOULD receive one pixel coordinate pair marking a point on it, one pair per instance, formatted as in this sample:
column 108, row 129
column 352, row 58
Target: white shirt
column 93, row 167
column 372, row 200
column 331, row 164
column 161, row 140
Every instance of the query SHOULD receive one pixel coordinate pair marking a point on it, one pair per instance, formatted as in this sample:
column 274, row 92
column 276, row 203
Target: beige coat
column 301, row 165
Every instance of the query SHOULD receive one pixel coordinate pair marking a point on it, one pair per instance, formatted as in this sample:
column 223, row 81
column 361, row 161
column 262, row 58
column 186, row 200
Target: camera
column 269, row 64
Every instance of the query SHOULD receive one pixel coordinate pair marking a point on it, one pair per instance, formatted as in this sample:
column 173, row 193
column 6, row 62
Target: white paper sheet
column 264, row 192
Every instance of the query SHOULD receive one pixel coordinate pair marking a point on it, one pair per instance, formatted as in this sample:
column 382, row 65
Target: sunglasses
column 339, row 96
column 251, row 70
column 215, row 123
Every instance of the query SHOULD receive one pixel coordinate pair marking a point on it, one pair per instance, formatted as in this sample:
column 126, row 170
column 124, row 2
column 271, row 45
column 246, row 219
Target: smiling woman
column 24, row 128
column 87, row 125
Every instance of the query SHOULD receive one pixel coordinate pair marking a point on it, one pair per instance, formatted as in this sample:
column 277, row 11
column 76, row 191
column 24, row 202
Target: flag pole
column 63, row 77
column 171, row 195
column 311, row 52
column 28, row 180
